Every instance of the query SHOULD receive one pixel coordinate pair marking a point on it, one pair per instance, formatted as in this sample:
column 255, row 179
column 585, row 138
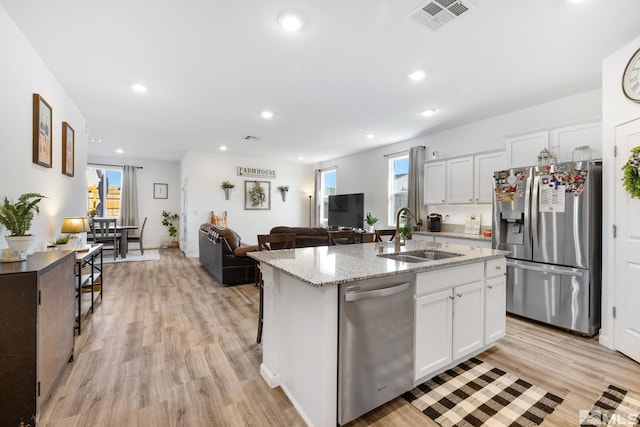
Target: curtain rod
column 112, row 166
column 402, row 152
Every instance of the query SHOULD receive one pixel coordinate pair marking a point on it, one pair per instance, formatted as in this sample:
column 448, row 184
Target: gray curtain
column 414, row 189
column 129, row 198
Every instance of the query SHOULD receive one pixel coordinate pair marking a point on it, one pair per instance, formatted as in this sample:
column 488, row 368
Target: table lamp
column 73, row 226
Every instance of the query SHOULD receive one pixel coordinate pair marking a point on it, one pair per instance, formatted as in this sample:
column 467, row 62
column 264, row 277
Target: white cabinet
column 434, row 185
column 465, row 242
column 468, row 319
column 458, row 313
column 495, row 307
column 563, row 140
column 523, row 150
column 433, row 332
column 459, row 183
column 484, row 167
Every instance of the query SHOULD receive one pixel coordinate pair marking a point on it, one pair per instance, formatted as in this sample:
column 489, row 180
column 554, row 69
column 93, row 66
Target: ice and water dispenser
column 511, row 211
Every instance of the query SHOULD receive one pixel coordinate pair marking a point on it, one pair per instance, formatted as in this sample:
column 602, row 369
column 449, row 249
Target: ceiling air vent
column 436, row 13
column 250, row 138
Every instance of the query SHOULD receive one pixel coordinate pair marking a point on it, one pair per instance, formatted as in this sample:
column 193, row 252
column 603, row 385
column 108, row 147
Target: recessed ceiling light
column 267, row 114
column 370, row 136
column 417, row 75
column 223, row 148
column 428, row 113
column 140, row 88
column 119, row 150
column 300, row 157
column 290, row 22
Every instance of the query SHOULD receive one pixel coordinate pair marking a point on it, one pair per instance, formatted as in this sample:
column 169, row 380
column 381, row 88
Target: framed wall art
column 42, row 132
column 160, row 191
column 257, row 195
column 68, row 145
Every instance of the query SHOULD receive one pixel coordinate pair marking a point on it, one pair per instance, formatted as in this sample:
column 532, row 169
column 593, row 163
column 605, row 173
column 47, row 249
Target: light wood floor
column 170, row 346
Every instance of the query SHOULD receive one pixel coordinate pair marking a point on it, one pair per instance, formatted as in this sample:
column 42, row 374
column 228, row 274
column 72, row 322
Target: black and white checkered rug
column 616, row 407
column 474, row 393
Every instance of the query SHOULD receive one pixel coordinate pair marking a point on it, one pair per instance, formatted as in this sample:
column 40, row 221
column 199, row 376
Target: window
column 398, row 184
column 327, row 188
column 104, row 189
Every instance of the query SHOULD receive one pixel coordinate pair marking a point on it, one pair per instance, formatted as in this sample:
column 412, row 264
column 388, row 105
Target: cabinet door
column 434, row 183
column 460, row 180
column 433, row 333
column 485, row 165
column 523, row 150
column 563, row 140
column 495, row 309
column 468, row 319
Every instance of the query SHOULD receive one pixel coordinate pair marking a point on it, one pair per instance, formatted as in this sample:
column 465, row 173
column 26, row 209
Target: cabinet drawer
column 430, row 281
column 496, row 267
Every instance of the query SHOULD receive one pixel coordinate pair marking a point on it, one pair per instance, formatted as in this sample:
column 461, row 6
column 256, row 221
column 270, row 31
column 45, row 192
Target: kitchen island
column 457, row 310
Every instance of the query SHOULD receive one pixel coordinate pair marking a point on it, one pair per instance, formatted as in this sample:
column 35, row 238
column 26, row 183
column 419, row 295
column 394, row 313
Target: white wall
column 616, row 110
column 23, row 73
column 484, row 135
column 153, row 171
column 204, row 172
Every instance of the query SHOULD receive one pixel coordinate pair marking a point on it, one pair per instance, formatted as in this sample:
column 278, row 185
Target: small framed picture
column 68, row 144
column 42, row 132
column 160, row 191
column 257, row 195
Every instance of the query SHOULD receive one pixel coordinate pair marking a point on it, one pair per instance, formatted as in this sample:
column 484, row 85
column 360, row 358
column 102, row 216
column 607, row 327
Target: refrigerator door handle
column 534, row 212
column 556, row 270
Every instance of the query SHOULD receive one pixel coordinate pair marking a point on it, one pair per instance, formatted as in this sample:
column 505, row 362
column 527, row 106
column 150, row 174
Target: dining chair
column 138, row 239
column 104, row 231
column 343, row 237
column 270, row 242
column 391, row 233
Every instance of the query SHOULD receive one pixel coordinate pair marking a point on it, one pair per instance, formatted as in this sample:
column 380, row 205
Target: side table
column 89, row 281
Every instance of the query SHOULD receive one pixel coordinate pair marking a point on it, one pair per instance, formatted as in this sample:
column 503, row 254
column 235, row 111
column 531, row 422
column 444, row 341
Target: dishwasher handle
column 378, row 293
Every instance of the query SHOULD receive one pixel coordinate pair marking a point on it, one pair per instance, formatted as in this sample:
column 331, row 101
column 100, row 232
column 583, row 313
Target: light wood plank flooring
column 170, row 346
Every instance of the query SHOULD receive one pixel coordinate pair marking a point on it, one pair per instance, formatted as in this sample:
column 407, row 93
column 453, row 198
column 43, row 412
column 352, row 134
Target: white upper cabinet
column 485, row 165
column 434, row 177
column 460, row 180
column 563, row 140
column 523, row 150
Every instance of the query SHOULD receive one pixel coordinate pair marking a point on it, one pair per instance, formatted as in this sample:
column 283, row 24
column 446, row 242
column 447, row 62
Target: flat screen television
column 346, row 210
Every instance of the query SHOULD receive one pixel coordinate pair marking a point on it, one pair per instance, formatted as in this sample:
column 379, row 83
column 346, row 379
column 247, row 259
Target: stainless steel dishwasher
column 375, row 343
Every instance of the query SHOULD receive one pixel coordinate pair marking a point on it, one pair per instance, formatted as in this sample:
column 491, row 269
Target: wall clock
column 631, row 78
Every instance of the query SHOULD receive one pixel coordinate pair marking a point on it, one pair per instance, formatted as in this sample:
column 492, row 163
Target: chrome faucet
column 397, row 236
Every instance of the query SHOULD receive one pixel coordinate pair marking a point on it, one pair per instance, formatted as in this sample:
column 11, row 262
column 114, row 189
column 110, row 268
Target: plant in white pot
column 17, row 219
column 370, row 220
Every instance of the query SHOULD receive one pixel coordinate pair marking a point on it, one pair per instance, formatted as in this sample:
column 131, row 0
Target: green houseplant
column 227, row 186
column 18, row 217
column 283, row 191
column 370, row 220
column 168, row 220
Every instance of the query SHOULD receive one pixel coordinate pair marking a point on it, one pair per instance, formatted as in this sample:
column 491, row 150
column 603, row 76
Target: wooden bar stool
column 344, row 237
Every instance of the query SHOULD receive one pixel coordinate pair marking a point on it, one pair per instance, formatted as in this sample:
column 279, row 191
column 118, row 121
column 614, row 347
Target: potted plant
column 227, row 186
column 283, row 191
column 17, row 219
column 370, row 220
column 168, row 220
column 62, row 242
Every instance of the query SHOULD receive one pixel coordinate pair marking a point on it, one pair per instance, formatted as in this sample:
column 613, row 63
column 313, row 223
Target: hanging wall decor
column 257, row 195
column 68, row 145
column 42, row 133
column 631, row 169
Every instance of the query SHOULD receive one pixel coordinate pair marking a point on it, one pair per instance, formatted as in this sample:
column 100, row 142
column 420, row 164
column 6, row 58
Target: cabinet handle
column 442, row 200
column 471, row 200
column 498, row 268
column 451, row 298
column 490, row 287
column 459, row 295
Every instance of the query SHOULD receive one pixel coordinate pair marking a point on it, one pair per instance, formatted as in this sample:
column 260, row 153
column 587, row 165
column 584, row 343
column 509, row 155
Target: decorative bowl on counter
column 13, row 255
column 487, row 232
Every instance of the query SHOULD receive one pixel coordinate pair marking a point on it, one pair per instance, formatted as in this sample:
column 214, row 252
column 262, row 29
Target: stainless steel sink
column 420, row 255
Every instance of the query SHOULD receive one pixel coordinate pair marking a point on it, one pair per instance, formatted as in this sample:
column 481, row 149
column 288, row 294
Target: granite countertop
column 454, row 234
column 334, row 265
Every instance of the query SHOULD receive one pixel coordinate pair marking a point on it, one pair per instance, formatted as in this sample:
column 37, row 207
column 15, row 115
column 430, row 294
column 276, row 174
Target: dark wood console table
column 37, row 299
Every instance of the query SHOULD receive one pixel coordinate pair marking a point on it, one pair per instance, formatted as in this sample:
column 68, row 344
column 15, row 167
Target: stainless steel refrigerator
column 550, row 219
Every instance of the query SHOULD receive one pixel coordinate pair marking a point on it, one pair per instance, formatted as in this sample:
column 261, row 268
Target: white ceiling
column 211, row 66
